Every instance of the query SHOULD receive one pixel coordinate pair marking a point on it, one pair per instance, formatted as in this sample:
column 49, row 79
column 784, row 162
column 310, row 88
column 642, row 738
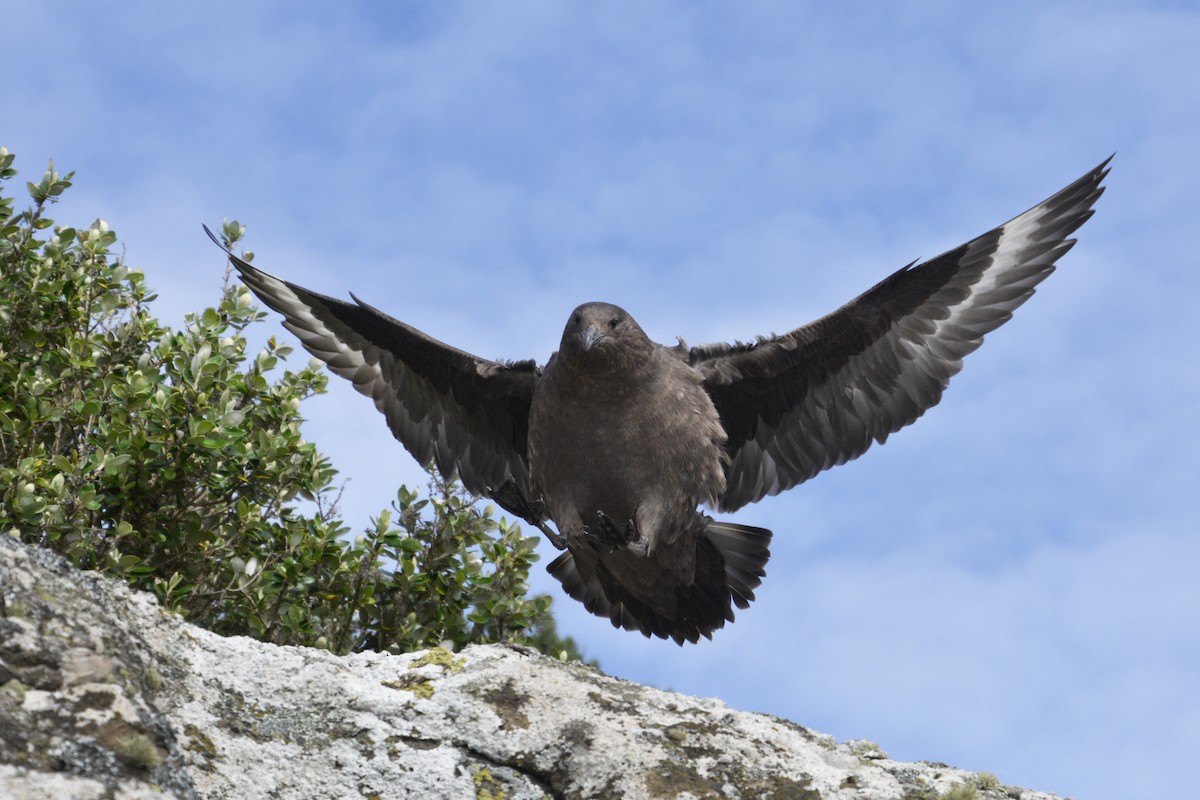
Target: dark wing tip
column 242, row 266
column 447, row 407
column 221, row 244
column 213, row 236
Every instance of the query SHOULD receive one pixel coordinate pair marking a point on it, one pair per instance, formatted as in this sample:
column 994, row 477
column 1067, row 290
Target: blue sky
column 1008, row 585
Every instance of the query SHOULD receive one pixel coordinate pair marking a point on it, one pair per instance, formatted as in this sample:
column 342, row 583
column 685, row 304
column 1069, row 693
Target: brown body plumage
column 621, row 426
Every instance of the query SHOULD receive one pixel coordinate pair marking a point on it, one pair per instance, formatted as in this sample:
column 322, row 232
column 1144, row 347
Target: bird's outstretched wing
column 466, row 414
column 797, row 404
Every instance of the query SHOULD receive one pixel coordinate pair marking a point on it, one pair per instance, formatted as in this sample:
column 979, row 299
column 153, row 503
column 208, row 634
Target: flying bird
column 611, row 446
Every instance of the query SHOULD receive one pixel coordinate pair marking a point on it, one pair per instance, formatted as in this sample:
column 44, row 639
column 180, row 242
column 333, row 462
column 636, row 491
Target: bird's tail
column 729, row 566
column 745, row 550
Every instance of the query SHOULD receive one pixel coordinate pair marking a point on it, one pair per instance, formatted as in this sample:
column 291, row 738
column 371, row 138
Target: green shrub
column 174, row 459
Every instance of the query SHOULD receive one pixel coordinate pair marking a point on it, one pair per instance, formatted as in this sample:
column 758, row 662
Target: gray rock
column 108, row 696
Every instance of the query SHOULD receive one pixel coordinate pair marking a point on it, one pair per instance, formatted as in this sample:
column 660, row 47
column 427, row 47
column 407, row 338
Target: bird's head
column 602, row 332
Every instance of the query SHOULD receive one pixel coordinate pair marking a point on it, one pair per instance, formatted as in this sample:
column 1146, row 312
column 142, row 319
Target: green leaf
column 151, row 452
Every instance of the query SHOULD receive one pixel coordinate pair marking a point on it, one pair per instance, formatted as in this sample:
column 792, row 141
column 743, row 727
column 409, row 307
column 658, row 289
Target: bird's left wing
column 467, row 415
column 797, row 404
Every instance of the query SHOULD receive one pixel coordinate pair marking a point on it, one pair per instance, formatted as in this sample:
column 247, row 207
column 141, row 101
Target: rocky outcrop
column 105, row 695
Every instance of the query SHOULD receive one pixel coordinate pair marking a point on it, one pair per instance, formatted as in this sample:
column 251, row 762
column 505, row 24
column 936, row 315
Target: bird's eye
column 612, row 323
column 575, row 318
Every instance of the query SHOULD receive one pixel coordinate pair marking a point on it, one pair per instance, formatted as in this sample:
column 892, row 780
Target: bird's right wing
column 796, row 404
column 467, row 415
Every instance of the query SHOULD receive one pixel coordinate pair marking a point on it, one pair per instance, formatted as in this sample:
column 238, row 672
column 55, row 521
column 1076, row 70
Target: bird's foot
column 539, row 508
column 510, row 497
column 556, row 538
column 608, row 533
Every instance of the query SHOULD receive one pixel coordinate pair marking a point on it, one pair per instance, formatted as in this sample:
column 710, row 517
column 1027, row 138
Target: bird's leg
column 555, row 538
column 538, row 507
column 510, row 497
column 609, row 533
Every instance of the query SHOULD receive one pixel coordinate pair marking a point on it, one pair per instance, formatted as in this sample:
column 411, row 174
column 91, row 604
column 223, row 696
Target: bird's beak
column 589, row 336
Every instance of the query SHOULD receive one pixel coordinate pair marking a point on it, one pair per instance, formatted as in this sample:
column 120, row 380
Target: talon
column 597, row 538
column 608, row 532
column 509, row 497
column 556, row 539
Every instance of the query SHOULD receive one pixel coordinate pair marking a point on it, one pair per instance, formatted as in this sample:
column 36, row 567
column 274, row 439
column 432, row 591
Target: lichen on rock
column 103, row 694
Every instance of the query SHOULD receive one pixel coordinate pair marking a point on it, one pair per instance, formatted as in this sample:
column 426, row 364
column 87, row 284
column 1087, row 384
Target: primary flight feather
column 613, row 444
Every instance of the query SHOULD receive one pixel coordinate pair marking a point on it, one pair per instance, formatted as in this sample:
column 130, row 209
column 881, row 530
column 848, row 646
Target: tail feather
column 745, row 550
column 730, row 565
